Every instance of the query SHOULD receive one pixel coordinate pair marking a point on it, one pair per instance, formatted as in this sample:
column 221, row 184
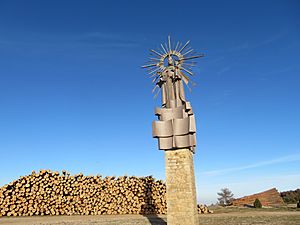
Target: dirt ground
column 219, row 218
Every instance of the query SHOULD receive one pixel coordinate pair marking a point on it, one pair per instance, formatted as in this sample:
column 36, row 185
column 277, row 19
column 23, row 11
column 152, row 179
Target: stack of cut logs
column 203, row 209
column 52, row 193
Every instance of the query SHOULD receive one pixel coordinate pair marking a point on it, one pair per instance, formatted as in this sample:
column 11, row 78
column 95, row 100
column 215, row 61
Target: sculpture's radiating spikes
column 157, row 53
column 186, row 49
column 170, row 48
column 180, row 46
column 150, row 65
column 189, row 72
column 151, row 62
column 188, row 67
column 153, row 75
column 155, row 79
column 163, row 48
column 184, row 46
column 156, row 86
column 188, row 52
column 177, row 45
column 153, row 71
column 194, row 57
column 154, row 59
column 184, row 77
column 189, row 64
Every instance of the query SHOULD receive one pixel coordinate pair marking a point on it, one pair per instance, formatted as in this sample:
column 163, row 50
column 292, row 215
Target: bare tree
column 226, row 197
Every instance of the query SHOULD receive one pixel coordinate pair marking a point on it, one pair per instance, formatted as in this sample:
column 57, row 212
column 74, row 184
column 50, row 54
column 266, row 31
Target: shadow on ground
column 155, row 220
column 149, row 209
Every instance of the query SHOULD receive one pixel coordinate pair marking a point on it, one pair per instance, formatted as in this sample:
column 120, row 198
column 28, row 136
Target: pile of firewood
column 203, row 209
column 52, row 193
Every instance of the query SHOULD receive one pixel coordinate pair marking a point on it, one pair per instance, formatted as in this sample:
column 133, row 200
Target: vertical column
column 181, row 189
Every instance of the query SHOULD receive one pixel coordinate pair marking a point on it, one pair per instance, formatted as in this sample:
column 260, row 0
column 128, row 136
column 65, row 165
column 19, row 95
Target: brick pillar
column 181, row 189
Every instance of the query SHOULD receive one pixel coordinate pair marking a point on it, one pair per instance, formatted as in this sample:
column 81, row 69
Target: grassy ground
column 245, row 216
column 253, row 218
column 222, row 216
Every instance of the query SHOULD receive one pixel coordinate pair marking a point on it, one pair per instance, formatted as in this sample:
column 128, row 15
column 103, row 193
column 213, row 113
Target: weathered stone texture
column 267, row 198
column 181, row 190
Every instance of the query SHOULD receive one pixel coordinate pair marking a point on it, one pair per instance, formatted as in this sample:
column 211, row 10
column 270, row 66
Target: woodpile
column 203, row 209
column 267, row 198
column 52, row 193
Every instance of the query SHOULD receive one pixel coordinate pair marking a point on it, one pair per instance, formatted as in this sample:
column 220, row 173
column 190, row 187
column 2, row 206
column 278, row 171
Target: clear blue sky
column 73, row 95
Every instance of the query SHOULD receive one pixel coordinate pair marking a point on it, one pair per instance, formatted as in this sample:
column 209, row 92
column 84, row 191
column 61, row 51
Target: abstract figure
column 176, row 126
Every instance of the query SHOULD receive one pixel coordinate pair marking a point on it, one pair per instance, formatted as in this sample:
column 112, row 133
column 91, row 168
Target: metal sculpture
column 170, row 68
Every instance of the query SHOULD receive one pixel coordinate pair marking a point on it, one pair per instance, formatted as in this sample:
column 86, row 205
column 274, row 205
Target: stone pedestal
column 181, row 189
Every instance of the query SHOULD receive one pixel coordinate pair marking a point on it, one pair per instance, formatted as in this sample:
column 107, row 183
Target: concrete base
column 181, row 189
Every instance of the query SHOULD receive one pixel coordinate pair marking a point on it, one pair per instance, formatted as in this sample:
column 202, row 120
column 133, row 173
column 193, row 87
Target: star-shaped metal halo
column 182, row 54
